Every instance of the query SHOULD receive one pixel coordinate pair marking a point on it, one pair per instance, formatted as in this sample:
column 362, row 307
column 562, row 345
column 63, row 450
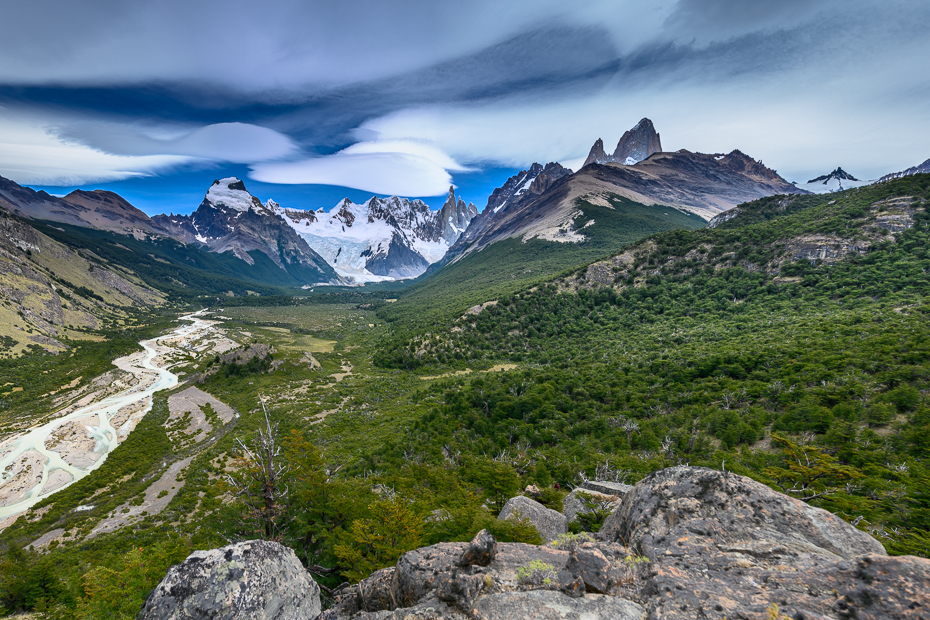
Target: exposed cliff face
column 512, row 197
column 638, row 143
column 49, row 291
column 231, row 220
column 455, row 217
column 634, row 146
column 597, row 155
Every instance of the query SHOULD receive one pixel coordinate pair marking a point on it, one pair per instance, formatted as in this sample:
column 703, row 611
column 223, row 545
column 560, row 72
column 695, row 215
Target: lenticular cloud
column 393, row 173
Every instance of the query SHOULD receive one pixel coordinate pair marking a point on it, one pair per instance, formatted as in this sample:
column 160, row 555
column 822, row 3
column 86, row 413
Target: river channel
column 23, row 456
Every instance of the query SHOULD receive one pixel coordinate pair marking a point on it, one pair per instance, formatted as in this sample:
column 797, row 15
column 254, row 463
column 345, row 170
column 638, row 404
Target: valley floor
column 391, row 426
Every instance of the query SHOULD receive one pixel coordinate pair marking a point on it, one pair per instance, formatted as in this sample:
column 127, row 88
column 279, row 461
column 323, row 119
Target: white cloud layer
column 39, row 148
column 401, row 174
column 226, row 142
column 429, row 89
column 30, row 154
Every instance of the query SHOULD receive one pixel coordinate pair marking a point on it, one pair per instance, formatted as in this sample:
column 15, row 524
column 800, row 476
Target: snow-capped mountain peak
column 920, row 169
column 230, row 219
column 382, row 238
column 839, row 176
column 231, row 193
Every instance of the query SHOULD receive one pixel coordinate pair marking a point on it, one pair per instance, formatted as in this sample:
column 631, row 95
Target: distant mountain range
column 921, row 169
column 230, row 219
column 395, row 237
column 545, row 201
column 382, row 238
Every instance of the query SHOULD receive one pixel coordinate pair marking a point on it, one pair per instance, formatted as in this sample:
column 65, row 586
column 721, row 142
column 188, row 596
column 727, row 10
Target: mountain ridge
column 703, row 184
column 382, row 238
column 230, row 219
column 923, row 168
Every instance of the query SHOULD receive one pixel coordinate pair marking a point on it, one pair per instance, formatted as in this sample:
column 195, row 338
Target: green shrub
column 377, row 542
column 537, row 573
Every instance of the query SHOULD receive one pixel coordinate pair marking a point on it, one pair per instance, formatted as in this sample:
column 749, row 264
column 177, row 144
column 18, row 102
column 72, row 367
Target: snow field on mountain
column 237, row 199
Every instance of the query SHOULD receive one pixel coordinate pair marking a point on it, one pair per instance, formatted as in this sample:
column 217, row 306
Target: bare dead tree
column 260, row 480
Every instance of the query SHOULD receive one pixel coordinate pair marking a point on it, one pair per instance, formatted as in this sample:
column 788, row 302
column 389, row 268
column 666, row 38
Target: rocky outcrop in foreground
column 685, row 542
column 254, row 579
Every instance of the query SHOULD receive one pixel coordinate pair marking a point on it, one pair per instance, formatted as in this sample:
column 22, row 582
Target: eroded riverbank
column 53, row 455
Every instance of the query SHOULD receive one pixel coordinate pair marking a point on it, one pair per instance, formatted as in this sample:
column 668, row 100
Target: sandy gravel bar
column 191, row 401
column 170, row 482
column 73, row 442
column 56, row 479
column 24, row 474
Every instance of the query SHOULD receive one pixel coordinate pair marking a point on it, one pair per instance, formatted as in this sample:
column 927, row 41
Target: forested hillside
column 513, row 264
column 790, row 343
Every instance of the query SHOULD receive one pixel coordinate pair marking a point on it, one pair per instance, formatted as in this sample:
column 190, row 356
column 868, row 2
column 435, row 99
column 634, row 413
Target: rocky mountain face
column 455, row 216
column 49, row 291
column 518, row 191
column 96, row 209
column 230, row 219
column 695, row 182
column 597, row 155
column 837, row 180
column 634, row 146
column 923, row 168
column 382, row 238
column 683, row 543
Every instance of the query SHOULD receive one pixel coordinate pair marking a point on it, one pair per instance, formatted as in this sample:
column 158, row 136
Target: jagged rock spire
column 597, row 153
column 638, row 143
column 634, row 146
column 455, row 216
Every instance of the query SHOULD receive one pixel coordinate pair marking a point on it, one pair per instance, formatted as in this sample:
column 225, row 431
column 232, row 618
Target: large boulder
column 254, row 580
column 721, row 545
column 732, row 510
column 549, row 523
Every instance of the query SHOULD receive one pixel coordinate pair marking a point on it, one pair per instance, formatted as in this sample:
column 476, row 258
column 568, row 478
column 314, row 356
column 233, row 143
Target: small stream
column 151, row 379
